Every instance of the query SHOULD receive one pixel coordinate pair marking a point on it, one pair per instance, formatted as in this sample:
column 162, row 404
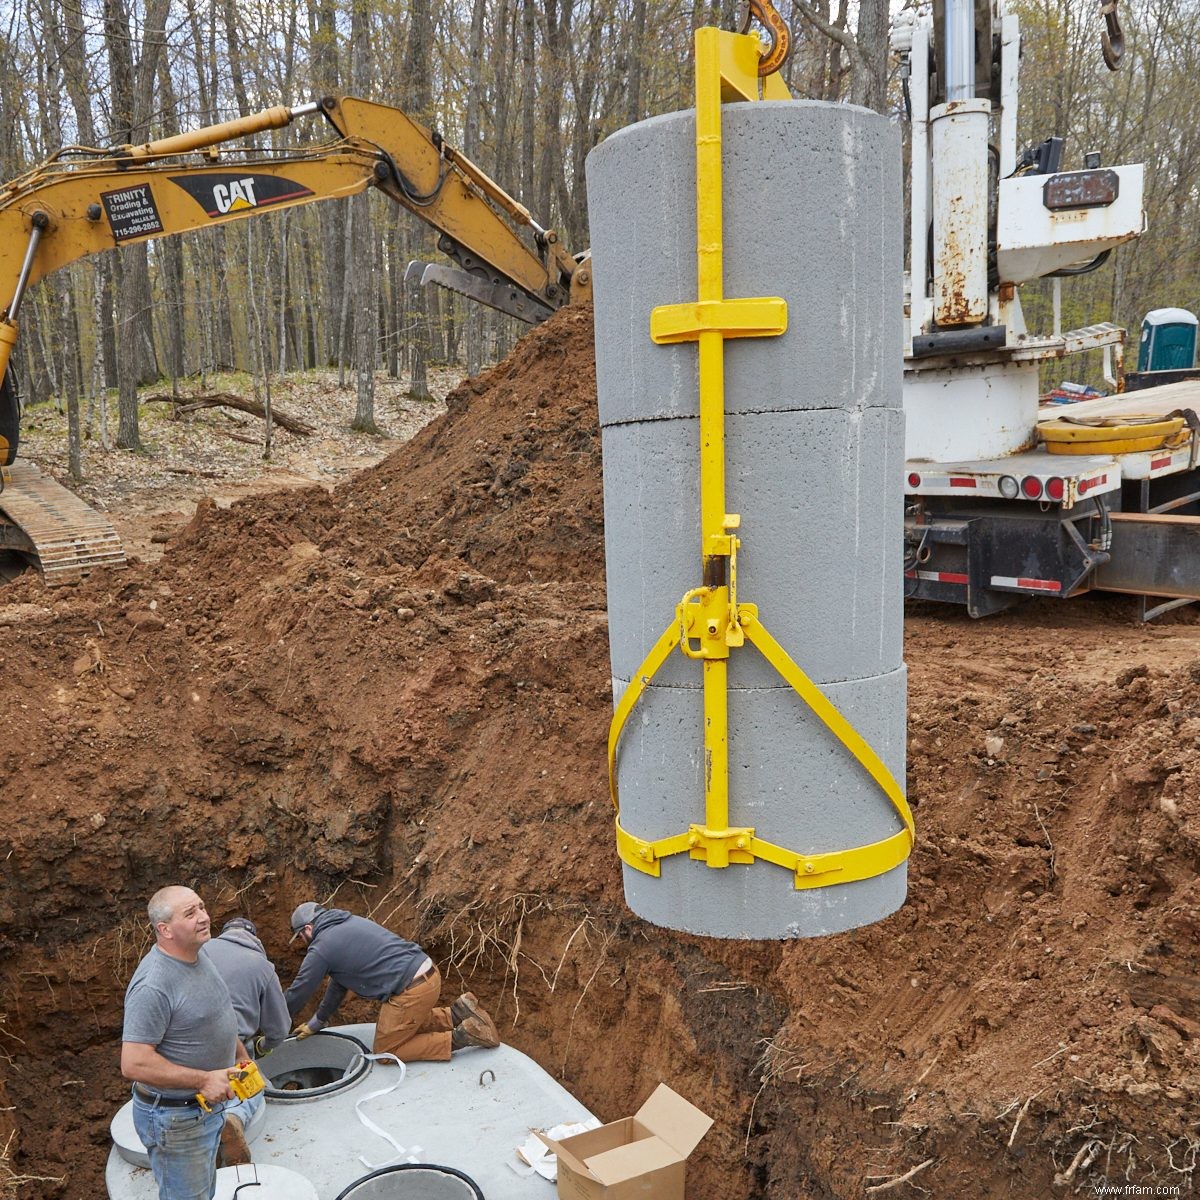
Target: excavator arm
column 81, row 202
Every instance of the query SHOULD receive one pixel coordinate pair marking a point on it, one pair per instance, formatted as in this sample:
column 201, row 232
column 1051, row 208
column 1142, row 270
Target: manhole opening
column 313, row 1067
column 414, row 1181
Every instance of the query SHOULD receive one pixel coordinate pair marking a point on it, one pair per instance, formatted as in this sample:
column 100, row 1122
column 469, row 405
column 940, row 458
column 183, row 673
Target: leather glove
column 258, row 1046
column 302, row 1031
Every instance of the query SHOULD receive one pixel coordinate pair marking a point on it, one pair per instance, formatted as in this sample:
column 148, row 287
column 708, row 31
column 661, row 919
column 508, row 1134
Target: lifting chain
column 1112, row 40
column 781, row 40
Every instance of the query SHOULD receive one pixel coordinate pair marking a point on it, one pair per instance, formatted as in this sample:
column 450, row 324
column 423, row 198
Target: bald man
column 180, row 1039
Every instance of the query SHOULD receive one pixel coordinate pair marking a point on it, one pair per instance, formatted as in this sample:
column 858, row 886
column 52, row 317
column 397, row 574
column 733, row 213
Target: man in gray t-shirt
column 180, row 1041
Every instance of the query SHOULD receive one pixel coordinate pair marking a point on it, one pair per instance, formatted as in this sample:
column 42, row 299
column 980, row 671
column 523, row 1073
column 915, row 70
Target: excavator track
column 43, row 521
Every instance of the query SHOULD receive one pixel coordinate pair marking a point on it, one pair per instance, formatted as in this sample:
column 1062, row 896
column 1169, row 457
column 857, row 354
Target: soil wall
column 395, row 695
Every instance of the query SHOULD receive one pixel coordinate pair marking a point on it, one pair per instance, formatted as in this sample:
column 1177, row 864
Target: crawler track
column 43, row 521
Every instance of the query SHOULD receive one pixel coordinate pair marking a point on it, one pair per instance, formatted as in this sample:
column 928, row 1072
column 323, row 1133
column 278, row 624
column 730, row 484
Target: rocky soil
column 396, row 694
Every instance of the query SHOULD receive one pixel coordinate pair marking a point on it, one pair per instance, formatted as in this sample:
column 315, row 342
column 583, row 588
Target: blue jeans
column 182, row 1145
column 244, row 1110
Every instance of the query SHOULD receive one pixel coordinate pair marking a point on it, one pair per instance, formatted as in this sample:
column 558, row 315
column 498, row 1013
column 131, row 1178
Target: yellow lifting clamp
column 710, row 621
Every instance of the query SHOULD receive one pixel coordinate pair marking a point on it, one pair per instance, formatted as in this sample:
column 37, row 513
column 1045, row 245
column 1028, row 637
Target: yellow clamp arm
column 720, row 847
column 637, row 685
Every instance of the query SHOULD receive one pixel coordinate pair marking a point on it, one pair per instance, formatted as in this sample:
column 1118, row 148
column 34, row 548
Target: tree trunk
column 870, row 79
column 473, row 322
column 528, row 105
column 418, row 100
column 361, row 264
column 128, row 433
column 326, row 79
column 68, row 337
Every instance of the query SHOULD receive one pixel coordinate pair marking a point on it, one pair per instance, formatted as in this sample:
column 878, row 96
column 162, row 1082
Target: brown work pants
column 411, row 1028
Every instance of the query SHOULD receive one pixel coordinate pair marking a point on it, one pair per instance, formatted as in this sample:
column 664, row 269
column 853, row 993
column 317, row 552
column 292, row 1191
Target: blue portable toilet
column 1168, row 340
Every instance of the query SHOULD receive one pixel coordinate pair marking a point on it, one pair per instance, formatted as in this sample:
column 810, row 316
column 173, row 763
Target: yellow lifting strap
column 740, row 845
column 709, row 621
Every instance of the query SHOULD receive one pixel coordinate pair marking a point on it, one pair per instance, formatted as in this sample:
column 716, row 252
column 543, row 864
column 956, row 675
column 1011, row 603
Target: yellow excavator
column 81, row 201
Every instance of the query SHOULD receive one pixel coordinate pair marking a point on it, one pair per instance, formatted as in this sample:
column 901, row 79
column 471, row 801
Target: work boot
column 475, row 1031
column 465, row 1006
column 234, row 1150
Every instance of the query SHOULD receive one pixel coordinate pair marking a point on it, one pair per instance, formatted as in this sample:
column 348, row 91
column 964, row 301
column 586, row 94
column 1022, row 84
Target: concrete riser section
column 814, row 453
column 812, row 204
column 790, row 779
column 821, row 553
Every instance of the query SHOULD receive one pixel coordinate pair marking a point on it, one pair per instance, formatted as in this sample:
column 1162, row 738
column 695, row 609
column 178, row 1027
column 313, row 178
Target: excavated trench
column 394, row 697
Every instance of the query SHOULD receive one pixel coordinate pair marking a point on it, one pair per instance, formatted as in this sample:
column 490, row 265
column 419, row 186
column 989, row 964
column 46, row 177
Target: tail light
column 1055, row 488
column 1031, row 487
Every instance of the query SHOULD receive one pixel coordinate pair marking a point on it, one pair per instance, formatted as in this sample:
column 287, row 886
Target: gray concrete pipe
column 814, row 453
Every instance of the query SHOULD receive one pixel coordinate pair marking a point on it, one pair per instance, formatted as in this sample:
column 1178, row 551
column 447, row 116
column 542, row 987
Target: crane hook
column 1112, row 40
column 781, row 40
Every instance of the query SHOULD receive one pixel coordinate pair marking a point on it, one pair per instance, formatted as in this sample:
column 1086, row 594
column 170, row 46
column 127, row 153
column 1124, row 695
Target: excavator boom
column 83, row 201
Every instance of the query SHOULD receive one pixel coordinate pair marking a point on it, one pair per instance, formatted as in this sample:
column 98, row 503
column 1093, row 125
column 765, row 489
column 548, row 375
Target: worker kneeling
column 361, row 956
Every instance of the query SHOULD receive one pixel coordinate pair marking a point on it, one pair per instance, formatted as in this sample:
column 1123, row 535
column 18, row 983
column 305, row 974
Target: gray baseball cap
column 240, row 923
column 304, row 914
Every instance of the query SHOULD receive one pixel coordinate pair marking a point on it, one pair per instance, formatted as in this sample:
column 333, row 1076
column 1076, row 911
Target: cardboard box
column 642, row 1156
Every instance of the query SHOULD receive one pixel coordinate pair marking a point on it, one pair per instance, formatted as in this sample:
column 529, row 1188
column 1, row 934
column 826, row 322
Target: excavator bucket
column 506, row 299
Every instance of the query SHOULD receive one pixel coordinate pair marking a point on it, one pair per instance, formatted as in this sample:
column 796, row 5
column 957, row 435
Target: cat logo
column 234, row 195
column 226, row 194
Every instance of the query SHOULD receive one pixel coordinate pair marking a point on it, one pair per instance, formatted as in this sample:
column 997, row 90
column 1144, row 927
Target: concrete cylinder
column 304, row 1069
column 129, row 1145
column 814, row 454
column 413, row 1181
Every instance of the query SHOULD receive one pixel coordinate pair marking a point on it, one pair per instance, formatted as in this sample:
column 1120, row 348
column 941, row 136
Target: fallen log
column 193, row 471
column 232, row 400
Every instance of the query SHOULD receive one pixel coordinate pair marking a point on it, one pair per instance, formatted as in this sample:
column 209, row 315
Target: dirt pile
column 397, row 693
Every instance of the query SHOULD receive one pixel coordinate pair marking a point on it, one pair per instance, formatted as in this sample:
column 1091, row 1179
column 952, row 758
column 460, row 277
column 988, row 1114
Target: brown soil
column 397, row 694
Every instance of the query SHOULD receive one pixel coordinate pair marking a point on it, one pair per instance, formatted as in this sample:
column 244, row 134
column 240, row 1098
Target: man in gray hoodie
column 254, row 988
column 361, row 956
column 262, row 1016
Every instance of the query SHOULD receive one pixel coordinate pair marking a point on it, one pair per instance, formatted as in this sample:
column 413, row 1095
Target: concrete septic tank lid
column 314, row 1067
column 413, row 1181
column 262, row 1183
column 129, row 1145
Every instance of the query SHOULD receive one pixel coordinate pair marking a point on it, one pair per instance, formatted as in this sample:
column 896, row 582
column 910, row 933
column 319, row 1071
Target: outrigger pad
column 10, row 420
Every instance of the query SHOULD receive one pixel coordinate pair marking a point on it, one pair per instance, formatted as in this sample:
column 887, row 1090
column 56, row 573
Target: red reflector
column 1040, row 585
column 1155, row 463
column 914, row 480
column 962, row 481
column 1031, row 487
column 1054, row 488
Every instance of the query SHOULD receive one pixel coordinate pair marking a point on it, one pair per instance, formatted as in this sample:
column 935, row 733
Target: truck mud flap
column 1153, row 554
column 988, row 563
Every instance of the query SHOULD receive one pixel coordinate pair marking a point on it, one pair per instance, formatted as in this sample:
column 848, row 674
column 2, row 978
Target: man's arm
column 330, row 1003
column 143, row 1064
column 274, row 1019
column 308, row 979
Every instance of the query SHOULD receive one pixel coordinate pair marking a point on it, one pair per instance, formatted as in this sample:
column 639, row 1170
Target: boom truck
column 1002, row 502
column 82, row 201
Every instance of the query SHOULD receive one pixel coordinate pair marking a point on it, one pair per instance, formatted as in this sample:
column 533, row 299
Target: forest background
column 525, row 88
